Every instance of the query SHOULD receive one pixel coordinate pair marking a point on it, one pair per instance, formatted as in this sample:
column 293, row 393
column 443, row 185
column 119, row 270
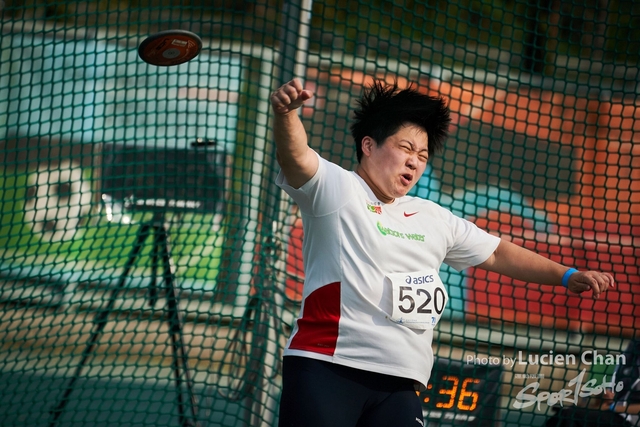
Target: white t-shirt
column 353, row 245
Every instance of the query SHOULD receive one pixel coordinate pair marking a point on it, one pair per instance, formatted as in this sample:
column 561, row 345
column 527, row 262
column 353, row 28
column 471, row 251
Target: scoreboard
column 462, row 394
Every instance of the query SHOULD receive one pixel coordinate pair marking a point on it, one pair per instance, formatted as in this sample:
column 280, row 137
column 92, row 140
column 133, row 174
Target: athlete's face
column 392, row 168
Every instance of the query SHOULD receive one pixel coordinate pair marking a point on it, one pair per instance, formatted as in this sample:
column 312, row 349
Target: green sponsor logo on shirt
column 385, row 231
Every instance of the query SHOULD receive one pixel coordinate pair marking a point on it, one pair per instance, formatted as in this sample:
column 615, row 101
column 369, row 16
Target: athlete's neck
column 362, row 173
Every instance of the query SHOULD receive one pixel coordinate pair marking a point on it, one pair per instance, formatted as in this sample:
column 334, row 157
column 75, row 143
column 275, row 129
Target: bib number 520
column 409, row 297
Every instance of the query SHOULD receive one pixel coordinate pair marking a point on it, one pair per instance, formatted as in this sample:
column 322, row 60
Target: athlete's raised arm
column 298, row 161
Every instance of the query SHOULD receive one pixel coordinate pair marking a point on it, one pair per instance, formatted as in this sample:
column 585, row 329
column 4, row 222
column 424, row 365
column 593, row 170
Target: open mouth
column 407, row 178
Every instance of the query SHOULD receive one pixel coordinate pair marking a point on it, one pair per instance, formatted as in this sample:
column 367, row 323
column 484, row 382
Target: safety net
column 151, row 271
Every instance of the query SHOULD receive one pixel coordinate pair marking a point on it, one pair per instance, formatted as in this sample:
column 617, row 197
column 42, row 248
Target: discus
column 171, row 47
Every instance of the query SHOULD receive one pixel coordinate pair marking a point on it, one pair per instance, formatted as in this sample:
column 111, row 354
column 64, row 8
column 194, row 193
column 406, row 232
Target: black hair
column 384, row 109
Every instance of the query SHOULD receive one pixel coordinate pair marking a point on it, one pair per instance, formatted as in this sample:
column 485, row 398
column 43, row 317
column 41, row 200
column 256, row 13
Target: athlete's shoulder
column 332, row 169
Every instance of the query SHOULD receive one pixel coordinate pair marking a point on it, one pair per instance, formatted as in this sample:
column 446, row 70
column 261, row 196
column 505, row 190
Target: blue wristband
column 567, row 274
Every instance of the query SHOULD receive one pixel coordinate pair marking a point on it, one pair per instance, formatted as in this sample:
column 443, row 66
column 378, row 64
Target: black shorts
column 323, row 394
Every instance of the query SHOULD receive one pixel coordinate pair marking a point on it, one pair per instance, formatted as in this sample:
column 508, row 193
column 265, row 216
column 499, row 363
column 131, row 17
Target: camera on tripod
column 157, row 180
column 139, row 178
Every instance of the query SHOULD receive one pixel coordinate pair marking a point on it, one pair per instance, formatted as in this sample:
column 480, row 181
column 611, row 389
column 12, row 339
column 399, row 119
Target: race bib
column 419, row 298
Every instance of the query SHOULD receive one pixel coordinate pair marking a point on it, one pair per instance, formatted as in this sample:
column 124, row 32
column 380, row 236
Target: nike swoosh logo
column 410, row 214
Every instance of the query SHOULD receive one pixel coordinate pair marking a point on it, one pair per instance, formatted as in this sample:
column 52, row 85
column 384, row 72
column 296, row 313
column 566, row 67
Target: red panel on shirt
column 318, row 326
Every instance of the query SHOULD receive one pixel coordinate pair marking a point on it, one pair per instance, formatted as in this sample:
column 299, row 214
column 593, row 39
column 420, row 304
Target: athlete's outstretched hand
column 590, row 280
column 289, row 97
column 522, row 264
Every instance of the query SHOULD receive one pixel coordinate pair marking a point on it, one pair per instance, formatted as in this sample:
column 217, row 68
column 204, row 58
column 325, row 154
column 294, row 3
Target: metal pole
column 291, row 63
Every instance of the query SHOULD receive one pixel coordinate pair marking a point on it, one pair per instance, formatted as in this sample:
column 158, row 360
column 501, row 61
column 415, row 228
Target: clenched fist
column 289, row 97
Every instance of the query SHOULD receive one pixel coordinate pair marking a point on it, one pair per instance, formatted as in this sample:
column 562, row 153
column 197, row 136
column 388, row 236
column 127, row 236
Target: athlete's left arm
column 522, row 264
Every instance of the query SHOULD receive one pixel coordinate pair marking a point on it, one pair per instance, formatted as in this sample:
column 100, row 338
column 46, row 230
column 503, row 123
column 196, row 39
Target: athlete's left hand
column 583, row 281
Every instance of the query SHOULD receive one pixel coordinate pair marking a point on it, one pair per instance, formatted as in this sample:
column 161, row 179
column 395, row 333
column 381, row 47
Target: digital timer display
column 461, row 394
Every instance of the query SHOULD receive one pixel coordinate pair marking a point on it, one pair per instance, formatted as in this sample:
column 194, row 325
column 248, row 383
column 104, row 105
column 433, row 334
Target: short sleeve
column 327, row 191
column 471, row 245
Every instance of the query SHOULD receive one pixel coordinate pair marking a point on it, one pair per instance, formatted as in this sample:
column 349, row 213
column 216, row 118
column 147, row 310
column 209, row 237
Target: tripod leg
column 175, row 325
column 99, row 323
column 153, row 286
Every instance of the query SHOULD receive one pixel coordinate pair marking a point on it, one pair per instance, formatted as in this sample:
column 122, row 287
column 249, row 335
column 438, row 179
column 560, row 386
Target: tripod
column 160, row 250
